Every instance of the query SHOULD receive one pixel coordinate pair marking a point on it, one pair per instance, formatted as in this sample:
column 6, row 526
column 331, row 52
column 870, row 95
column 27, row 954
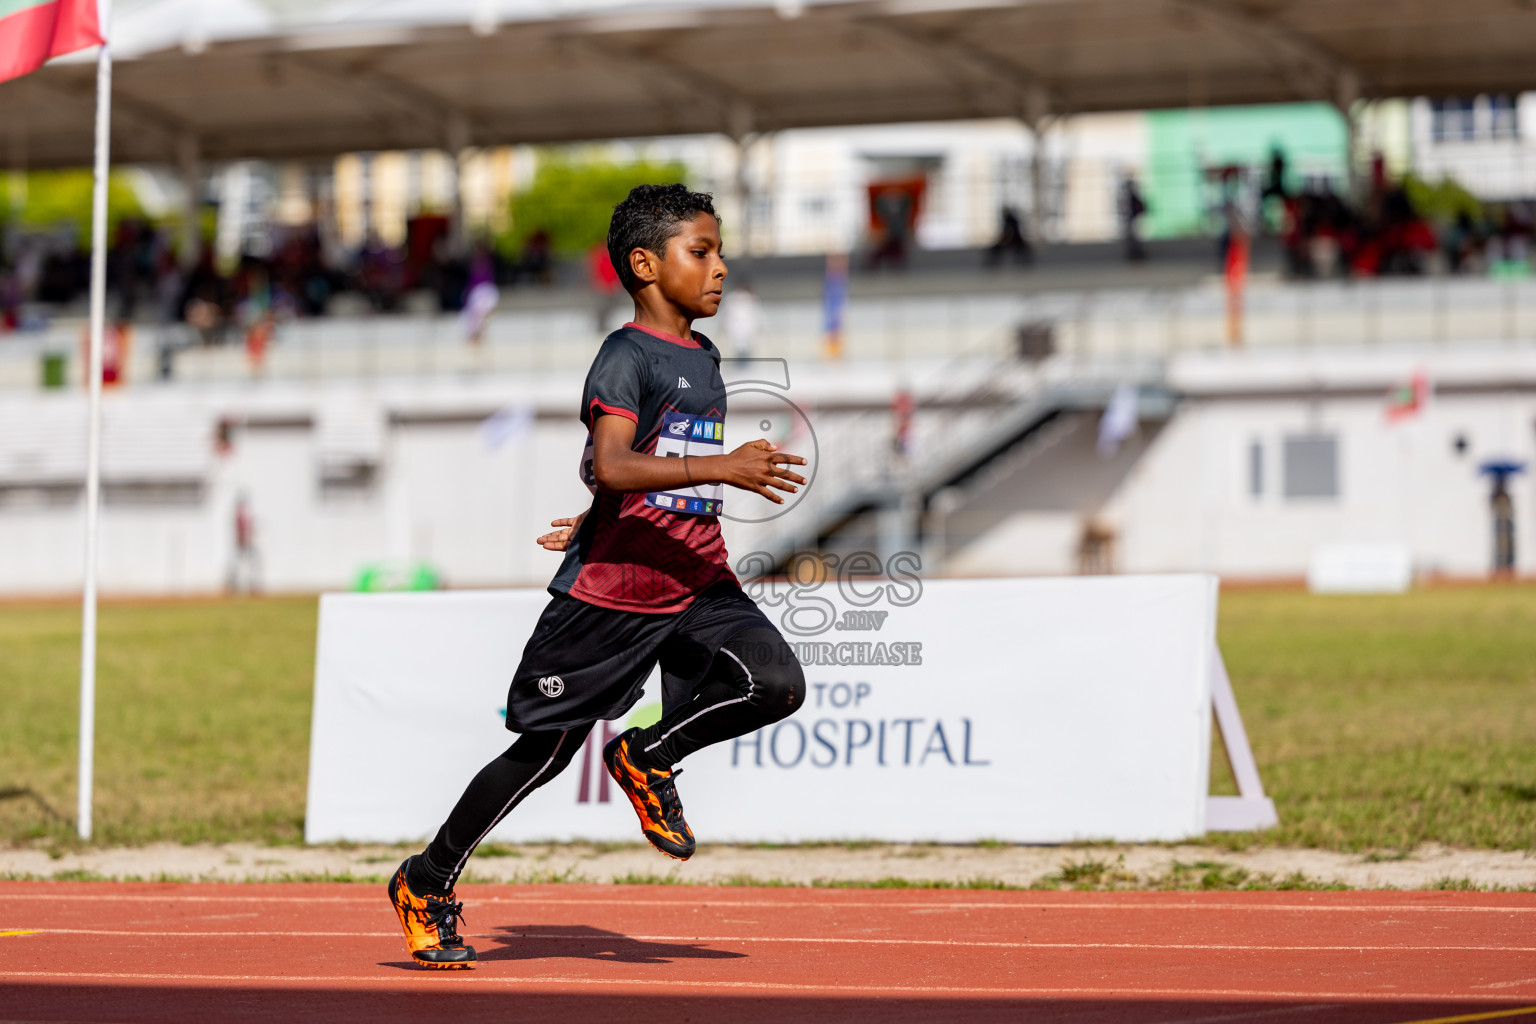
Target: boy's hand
column 759, row 466
column 560, row 539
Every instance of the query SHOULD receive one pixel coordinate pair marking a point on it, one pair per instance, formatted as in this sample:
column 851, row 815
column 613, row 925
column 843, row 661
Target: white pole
column 93, row 435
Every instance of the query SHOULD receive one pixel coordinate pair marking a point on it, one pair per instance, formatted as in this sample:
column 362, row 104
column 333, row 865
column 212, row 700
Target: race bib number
column 681, row 435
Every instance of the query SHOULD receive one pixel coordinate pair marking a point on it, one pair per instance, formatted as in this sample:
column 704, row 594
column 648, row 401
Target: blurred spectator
column 1402, row 227
column 116, row 346
column 1512, row 241
column 1010, row 240
column 903, row 406
column 10, row 300
column 1132, row 209
column 132, row 262
column 834, row 305
column 537, row 264
column 1464, row 243
column 1235, row 246
column 893, row 210
column 63, row 276
column 605, row 283
column 203, row 300
column 302, row 283
column 1503, row 508
column 1274, row 178
column 258, row 335
column 148, row 282
column 1503, row 531
column 481, row 297
column 244, row 561
column 255, row 311
column 1323, row 236
column 448, row 277
column 380, row 276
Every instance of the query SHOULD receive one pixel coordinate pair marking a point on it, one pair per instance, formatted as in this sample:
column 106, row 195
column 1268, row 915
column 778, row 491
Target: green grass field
column 1379, row 723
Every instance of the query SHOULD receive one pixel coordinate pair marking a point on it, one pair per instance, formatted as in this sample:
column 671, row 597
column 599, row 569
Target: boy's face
column 691, row 275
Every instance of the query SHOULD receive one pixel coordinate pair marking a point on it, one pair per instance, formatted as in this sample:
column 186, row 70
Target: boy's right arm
column 560, row 538
column 755, row 466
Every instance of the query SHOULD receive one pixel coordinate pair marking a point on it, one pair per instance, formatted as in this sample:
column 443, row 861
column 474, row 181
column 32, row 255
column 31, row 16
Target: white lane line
column 431, row 977
column 619, row 900
column 614, row 940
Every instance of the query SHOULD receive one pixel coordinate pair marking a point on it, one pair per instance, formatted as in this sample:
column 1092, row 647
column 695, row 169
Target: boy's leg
column 529, row 763
column 422, row 889
column 582, row 664
column 754, row 680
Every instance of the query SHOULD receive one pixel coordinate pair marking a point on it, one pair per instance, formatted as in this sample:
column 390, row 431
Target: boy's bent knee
column 776, row 681
column 779, row 690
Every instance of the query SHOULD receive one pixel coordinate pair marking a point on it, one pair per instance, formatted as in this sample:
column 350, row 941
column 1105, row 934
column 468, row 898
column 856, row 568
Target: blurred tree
column 1442, row 201
column 571, row 199
column 47, row 199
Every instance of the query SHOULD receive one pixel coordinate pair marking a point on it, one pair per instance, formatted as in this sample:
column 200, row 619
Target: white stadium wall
column 1413, row 482
column 1189, row 502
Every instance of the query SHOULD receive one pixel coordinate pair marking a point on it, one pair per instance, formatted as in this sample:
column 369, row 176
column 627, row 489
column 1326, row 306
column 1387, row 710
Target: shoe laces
column 665, row 789
column 444, row 915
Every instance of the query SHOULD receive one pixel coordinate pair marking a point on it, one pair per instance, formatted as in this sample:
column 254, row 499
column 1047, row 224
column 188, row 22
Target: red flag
column 34, row 31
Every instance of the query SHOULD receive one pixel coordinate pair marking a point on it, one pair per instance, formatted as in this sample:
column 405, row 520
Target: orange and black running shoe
column 653, row 792
column 431, row 926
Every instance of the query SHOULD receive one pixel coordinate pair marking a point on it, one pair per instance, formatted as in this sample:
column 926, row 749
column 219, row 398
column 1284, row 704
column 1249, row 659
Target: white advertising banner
column 1035, row 711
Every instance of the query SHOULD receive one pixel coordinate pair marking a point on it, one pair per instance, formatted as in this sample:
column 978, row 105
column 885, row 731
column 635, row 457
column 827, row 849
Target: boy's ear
column 645, row 265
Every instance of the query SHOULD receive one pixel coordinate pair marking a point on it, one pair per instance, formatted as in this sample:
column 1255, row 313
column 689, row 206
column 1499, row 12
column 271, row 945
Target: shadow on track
column 583, row 942
column 578, row 942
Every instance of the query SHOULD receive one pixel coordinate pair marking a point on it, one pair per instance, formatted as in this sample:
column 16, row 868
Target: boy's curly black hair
column 646, row 219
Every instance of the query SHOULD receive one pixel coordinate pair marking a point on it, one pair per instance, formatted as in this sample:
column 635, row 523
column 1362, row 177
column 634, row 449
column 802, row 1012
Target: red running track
column 168, row 953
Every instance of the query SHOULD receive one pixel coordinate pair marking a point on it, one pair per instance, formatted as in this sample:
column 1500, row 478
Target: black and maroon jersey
column 651, row 552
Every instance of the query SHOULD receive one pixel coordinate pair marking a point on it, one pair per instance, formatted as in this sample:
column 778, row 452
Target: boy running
column 645, row 577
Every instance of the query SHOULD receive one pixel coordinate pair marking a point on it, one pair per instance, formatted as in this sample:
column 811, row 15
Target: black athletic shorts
column 585, row 663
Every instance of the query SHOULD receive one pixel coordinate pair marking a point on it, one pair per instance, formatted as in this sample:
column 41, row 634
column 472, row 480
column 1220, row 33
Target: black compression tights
column 526, row 765
column 753, row 681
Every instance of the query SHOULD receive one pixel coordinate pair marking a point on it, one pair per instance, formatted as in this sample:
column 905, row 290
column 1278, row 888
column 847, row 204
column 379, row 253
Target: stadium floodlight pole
column 93, row 429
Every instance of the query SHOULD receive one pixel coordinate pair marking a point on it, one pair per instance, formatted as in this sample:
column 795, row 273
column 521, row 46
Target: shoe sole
column 461, row 965
column 663, row 850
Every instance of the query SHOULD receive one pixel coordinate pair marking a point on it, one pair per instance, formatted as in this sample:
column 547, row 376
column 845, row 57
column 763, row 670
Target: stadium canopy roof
column 302, row 78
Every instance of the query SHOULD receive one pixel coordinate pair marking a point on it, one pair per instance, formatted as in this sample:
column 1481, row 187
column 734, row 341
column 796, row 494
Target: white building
column 1486, row 143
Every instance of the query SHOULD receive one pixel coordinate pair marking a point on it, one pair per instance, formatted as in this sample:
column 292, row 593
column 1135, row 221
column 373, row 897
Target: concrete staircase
column 982, row 411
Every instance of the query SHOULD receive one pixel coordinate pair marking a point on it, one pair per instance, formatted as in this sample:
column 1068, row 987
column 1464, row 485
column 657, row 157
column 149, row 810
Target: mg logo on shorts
column 551, row 686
